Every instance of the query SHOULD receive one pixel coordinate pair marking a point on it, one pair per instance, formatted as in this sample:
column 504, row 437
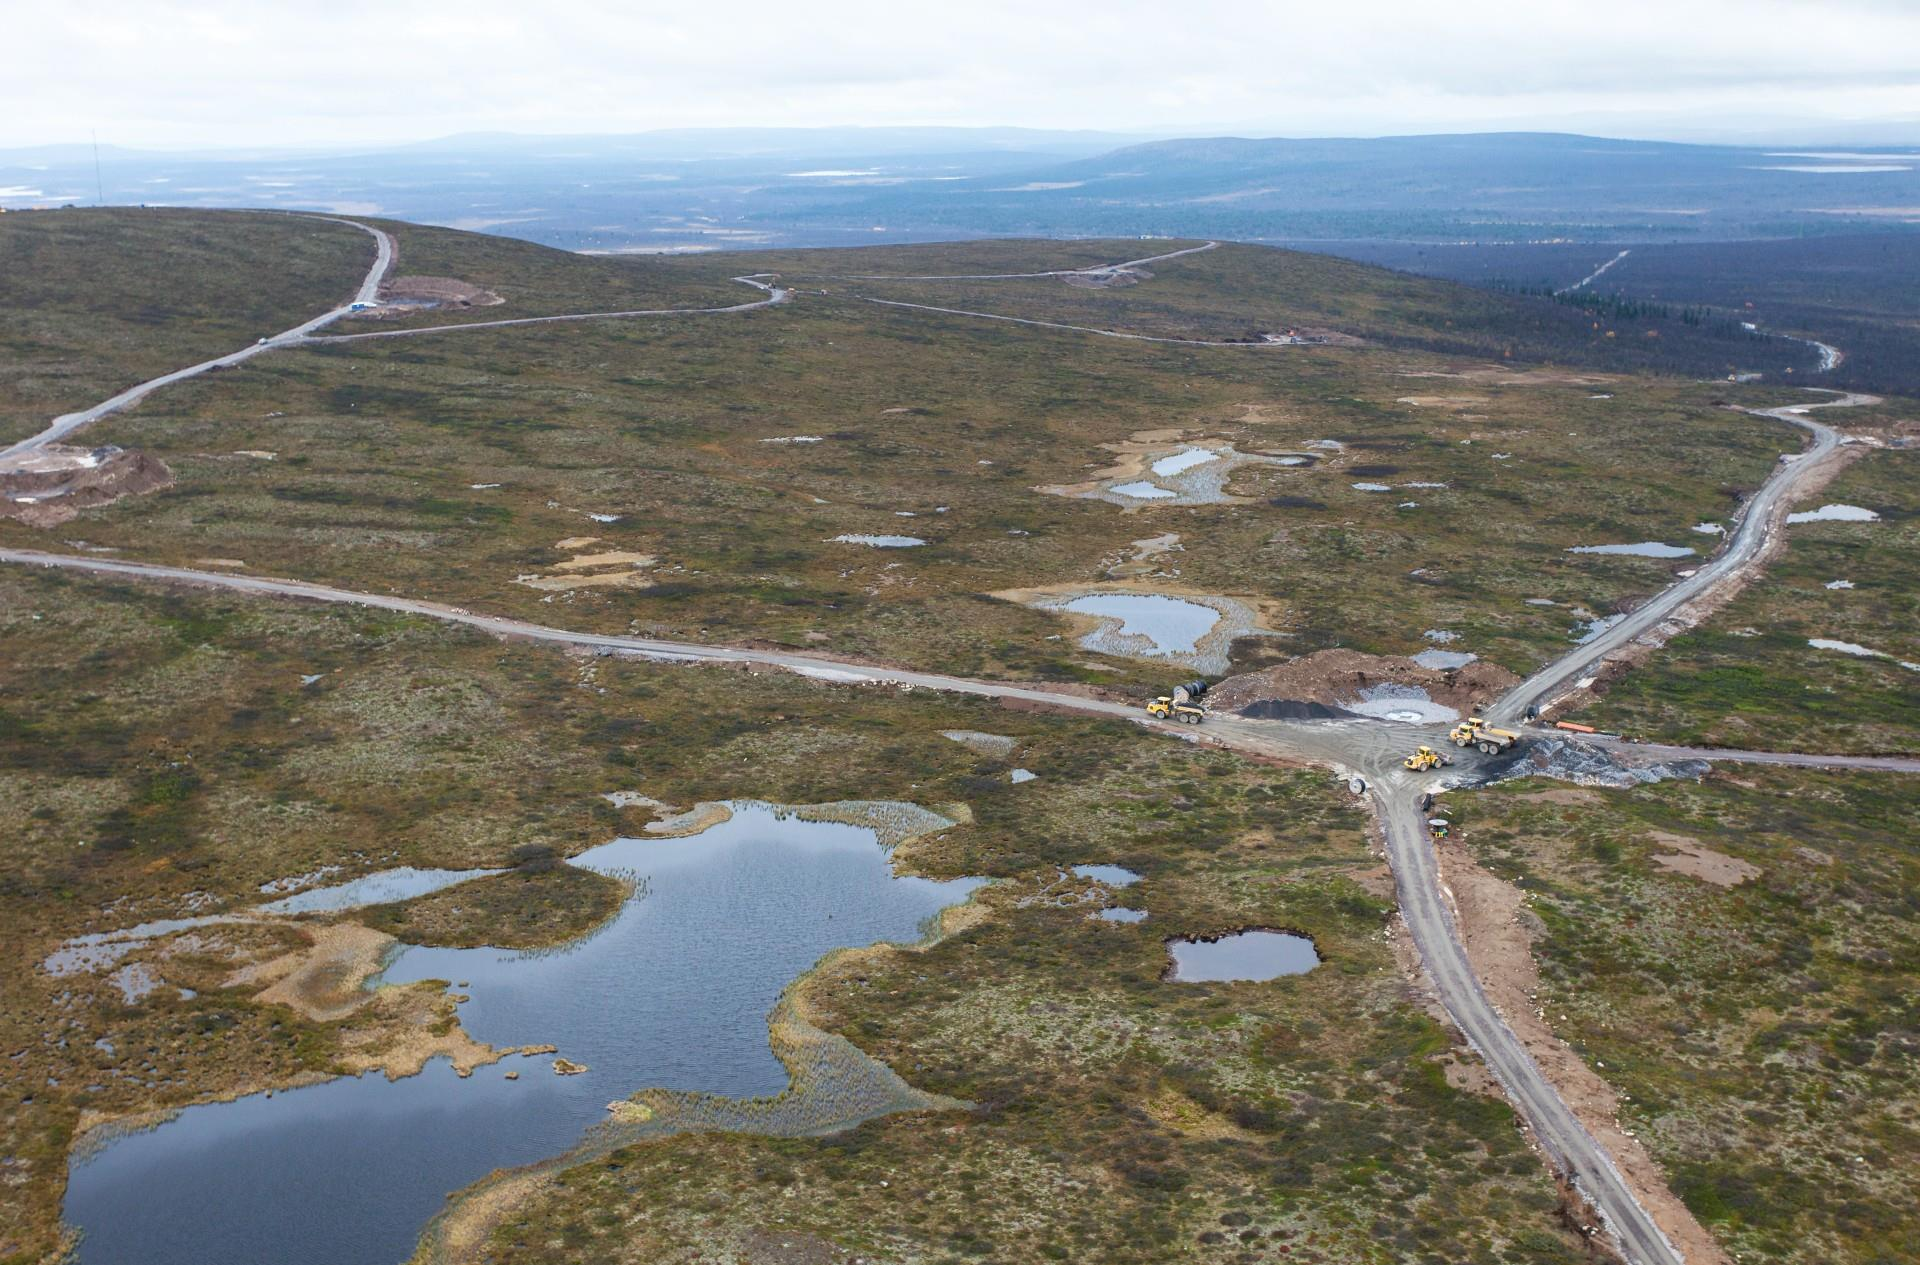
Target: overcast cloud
column 246, row 72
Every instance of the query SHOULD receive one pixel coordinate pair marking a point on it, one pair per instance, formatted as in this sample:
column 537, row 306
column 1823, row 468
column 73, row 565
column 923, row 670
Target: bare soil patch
column 1107, row 280
column 1696, row 860
column 615, row 569
column 1443, row 401
column 442, row 292
column 324, row 981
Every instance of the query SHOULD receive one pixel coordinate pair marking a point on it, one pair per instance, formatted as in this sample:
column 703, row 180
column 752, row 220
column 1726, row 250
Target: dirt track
column 368, row 292
column 1368, row 749
column 1759, row 519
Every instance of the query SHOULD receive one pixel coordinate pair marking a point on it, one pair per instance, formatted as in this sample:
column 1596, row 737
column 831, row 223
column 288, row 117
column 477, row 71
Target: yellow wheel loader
column 1425, row 758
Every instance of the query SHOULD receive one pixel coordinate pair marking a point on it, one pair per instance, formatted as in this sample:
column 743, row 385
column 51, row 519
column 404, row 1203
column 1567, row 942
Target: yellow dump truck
column 1475, row 732
column 1182, row 705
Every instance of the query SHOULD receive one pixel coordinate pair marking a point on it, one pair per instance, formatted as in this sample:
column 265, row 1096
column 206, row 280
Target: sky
column 236, row 73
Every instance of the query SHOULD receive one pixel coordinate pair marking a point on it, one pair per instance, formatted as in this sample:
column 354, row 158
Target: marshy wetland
column 1022, row 971
column 739, row 1058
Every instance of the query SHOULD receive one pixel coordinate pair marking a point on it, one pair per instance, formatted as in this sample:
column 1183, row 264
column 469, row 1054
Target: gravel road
column 1366, row 749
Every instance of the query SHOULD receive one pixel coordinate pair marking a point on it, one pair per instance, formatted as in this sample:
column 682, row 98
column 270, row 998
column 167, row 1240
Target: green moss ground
column 1748, row 678
column 93, row 301
column 165, row 755
column 1763, row 1035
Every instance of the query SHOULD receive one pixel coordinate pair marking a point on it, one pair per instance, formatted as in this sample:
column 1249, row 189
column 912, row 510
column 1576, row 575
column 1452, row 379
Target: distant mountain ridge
column 694, row 189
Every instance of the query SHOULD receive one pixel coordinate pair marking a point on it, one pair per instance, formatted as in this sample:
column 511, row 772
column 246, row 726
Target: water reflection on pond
column 1245, row 955
column 674, row 992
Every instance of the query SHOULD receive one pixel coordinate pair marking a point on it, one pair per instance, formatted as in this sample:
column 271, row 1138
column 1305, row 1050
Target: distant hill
column 693, row 189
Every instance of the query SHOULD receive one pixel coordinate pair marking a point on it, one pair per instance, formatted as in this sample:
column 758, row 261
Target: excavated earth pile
column 1338, row 677
column 50, row 486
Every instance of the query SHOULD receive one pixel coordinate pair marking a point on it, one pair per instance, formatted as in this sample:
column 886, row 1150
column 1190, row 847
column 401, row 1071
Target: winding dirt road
column 1368, row 749
column 1270, row 341
column 1593, row 276
column 1755, row 526
column 1092, row 270
column 369, row 292
column 774, row 295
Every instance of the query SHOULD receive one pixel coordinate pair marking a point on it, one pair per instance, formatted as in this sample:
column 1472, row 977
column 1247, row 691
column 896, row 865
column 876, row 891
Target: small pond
column 673, row 992
column 1245, row 955
column 1117, row 914
column 1645, row 549
column 1170, row 625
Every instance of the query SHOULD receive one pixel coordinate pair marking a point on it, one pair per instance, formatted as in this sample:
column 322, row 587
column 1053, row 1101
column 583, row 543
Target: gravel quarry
column 51, row 485
column 1363, row 684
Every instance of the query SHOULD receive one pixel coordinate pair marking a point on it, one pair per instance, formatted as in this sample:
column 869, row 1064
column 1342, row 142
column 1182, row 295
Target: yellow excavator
column 1475, row 732
column 1424, row 758
column 1182, row 705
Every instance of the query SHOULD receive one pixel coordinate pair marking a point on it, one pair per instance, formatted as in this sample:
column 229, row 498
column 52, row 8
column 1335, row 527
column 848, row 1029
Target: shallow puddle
column 1117, row 914
column 674, row 992
column 1245, row 955
column 1592, row 625
column 380, row 888
column 1111, row 875
column 1835, row 514
column 1144, row 491
column 1169, row 625
column 1444, row 659
column 1645, row 549
column 1184, row 461
column 1859, row 651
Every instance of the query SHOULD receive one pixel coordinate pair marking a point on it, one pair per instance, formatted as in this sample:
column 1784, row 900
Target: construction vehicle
column 1475, row 732
column 1424, row 758
column 1182, row 705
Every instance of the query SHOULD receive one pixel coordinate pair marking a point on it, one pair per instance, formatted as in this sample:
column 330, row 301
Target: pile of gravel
column 1588, row 764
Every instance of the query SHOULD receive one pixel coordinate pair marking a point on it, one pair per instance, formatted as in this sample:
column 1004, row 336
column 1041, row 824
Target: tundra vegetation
column 166, row 755
column 1760, row 1024
column 171, row 752
column 1750, row 677
column 449, row 466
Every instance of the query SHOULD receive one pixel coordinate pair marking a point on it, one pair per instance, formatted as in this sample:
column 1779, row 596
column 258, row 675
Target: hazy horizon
column 222, row 75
